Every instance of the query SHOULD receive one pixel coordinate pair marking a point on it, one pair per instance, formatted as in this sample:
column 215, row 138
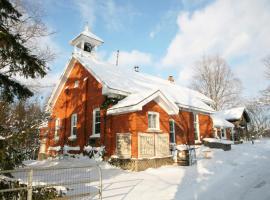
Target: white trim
column 157, row 128
column 72, row 137
column 94, row 134
column 196, row 126
column 76, row 83
column 215, row 133
column 168, row 105
column 171, row 120
column 73, row 123
column 56, row 128
column 60, row 85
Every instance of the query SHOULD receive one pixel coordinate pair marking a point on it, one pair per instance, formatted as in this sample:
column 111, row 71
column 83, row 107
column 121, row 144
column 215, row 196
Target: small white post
column 100, row 182
column 29, row 186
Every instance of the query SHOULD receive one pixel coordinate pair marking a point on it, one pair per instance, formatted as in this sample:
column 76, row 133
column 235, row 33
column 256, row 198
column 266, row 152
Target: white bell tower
column 86, row 42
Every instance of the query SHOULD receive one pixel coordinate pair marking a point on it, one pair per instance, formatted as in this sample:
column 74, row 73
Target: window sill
column 95, row 136
column 72, row 138
column 154, row 130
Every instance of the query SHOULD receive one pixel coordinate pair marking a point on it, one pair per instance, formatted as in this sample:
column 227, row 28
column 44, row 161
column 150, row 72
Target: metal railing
column 83, row 182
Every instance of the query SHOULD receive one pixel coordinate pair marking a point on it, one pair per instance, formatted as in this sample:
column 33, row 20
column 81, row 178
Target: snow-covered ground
column 242, row 173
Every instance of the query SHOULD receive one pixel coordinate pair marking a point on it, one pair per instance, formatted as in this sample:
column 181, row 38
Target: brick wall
column 206, row 126
column 88, row 96
column 81, row 100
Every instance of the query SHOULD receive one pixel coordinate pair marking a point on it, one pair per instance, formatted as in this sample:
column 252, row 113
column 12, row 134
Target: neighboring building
column 222, row 128
column 239, row 117
column 132, row 114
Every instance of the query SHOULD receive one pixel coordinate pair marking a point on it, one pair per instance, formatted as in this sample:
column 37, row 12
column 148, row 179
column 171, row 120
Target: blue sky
column 167, row 37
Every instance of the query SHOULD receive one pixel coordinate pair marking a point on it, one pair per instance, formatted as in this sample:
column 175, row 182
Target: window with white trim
column 196, row 126
column 96, row 121
column 57, row 128
column 223, row 133
column 153, row 121
column 74, row 124
column 172, row 131
column 76, row 84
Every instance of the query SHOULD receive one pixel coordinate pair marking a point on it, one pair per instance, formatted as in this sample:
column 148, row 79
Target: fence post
column 29, row 185
column 100, row 182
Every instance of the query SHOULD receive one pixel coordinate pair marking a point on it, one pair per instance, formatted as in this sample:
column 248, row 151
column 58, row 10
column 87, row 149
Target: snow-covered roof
column 135, row 102
column 126, row 82
column 231, row 114
column 86, row 34
column 220, row 122
column 117, row 80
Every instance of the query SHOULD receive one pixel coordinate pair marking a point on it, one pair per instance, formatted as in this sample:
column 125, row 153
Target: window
column 172, row 131
column 223, row 135
column 196, row 126
column 76, row 84
column 153, row 120
column 96, row 121
column 74, row 125
column 57, row 128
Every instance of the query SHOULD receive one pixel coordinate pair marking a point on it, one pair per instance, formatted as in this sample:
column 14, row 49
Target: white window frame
column 225, row 135
column 76, row 84
column 216, row 133
column 197, row 126
column 94, row 134
column 157, row 128
column 174, row 139
column 74, row 117
column 56, row 129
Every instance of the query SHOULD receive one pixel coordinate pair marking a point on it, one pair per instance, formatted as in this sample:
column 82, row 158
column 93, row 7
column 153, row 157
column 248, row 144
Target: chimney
column 171, row 79
column 136, row 68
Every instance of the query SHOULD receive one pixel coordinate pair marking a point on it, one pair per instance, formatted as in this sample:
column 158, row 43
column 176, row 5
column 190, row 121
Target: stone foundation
column 141, row 164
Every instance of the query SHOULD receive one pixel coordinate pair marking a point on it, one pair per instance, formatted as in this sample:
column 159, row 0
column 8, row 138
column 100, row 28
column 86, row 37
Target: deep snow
column 242, row 173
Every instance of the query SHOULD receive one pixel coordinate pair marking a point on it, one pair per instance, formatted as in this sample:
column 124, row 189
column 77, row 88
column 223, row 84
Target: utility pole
column 117, row 56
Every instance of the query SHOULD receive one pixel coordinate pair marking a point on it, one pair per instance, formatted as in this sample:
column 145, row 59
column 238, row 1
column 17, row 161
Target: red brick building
column 134, row 115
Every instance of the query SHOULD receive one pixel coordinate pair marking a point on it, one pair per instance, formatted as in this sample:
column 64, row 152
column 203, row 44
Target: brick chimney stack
column 171, row 79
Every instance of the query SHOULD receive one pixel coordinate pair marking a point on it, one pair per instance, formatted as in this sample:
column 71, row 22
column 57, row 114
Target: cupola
column 86, row 42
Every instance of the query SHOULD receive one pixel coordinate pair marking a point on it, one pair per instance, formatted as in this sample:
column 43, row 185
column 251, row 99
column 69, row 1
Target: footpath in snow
column 242, row 173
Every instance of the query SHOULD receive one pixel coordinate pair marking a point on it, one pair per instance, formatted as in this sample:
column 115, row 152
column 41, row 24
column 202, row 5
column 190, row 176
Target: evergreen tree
column 15, row 58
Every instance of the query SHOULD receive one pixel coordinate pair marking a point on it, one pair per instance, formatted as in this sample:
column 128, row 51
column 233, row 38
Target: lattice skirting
column 141, row 164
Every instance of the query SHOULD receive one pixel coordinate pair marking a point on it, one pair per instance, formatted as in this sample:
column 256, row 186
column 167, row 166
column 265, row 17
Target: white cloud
column 107, row 12
column 132, row 58
column 236, row 30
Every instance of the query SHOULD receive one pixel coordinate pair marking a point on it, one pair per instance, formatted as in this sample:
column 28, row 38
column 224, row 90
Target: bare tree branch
column 213, row 77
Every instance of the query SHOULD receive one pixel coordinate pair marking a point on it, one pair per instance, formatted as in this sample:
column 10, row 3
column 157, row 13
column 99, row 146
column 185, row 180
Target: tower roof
column 87, row 36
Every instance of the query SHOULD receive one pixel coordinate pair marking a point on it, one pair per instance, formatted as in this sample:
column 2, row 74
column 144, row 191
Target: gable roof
column 218, row 121
column 233, row 113
column 117, row 80
column 136, row 101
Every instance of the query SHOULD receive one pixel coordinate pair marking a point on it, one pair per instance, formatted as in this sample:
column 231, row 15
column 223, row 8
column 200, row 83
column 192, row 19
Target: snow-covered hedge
column 96, row 153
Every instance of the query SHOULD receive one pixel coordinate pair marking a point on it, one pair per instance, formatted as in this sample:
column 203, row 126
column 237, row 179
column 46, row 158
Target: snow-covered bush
column 96, row 153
